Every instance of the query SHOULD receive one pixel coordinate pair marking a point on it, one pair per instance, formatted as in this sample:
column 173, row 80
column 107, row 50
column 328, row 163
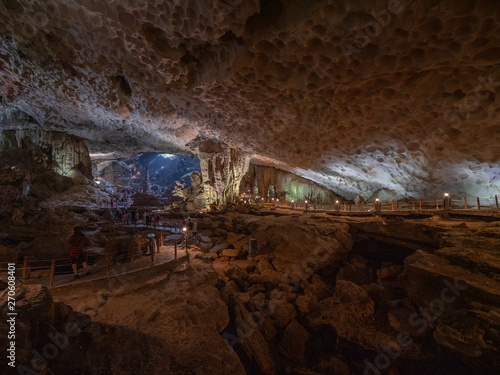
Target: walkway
column 99, row 270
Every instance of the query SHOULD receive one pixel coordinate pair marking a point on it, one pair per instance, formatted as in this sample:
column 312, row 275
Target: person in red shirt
column 76, row 242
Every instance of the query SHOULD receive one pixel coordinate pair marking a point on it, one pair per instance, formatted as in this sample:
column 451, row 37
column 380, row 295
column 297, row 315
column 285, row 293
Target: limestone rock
column 294, row 342
column 268, row 277
column 281, row 311
column 253, row 341
column 7, row 255
column 231, row 253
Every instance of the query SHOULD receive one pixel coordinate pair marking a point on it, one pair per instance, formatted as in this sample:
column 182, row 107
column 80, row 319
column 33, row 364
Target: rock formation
column 163, row 336
column 354, row 95
column 338, row 303
column 117, row 173
column 222, row 168
column 60, row 152
column 269, row 182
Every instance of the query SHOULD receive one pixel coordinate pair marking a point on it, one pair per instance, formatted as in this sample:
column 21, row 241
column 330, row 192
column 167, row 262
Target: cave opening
column 250, row 187
column 164, row 176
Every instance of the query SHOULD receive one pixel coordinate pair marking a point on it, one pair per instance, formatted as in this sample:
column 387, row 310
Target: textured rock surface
column 315, row 300
column 222, row 168
column 179, row 312
column 275, row 183
column 354, row 95
column 60, row 152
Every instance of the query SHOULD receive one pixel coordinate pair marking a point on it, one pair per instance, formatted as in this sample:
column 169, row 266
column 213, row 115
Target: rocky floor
column 324, row 295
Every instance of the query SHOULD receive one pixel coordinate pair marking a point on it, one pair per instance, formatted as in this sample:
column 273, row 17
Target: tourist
column 76, row 242
column 124, row 218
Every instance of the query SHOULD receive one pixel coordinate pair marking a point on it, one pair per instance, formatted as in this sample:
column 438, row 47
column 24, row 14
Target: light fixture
column 98, row 182
column 292, row 200
column 376, row 199
column 446, row 194
column 184, row 229
column 306, row 202
column 337, row 202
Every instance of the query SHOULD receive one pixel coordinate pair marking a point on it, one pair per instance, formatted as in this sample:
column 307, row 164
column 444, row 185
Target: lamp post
column 337, row 206
column 378, row 205
column 305, row 202
column 447, row 202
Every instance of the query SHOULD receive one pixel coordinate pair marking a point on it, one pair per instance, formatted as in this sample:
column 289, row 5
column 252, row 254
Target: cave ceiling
column 356, row 95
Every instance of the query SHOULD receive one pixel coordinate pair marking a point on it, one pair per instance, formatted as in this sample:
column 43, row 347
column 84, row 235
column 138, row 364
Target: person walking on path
column 76, row 242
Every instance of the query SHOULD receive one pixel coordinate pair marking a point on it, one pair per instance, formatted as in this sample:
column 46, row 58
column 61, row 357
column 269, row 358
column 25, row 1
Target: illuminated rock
column 356, row 96
column 222, row 168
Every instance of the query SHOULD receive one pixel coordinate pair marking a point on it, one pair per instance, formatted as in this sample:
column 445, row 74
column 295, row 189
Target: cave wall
column 61, row 152
column 264, row 181
column 222, row 168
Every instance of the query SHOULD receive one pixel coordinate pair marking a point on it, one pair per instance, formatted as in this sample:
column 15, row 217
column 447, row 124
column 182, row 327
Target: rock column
column 222, row 168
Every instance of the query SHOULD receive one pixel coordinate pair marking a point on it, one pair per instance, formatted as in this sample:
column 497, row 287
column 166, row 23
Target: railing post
column 465, row 202
column 437, row 203
column 392, row 205
column 52, row 273
column 496, row 200
column 25, row 267
column 397, row 205
column 350, row 207
column 152, row 258
column 108, row 265
column 345, row 206
column 413, row 205
column 478, row 204
column 175, row 250
column 420, row 204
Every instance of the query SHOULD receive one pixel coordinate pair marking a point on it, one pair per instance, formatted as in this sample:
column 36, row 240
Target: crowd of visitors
column 125, row 217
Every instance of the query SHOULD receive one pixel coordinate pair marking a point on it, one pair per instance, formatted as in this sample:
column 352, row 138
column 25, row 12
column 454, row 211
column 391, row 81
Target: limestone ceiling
column 356, row 95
